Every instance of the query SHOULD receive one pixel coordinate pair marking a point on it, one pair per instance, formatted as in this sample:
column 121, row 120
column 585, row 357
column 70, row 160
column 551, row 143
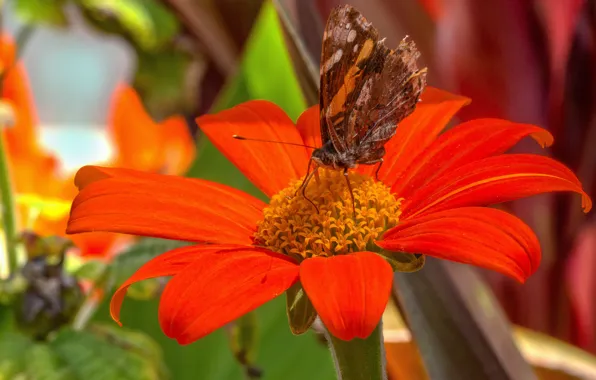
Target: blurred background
column 120, row 82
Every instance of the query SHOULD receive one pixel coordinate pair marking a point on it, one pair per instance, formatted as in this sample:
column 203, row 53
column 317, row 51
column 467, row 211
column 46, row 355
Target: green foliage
column 42, row 363
column 243, row 335
column 45, row 12
column 267, row 67
column 301, row 312
column 280, row 355
column 92, row 270
column 13, row 353
column 109, row 353
column 160, row 79
column 125, row 264
column 148, row 23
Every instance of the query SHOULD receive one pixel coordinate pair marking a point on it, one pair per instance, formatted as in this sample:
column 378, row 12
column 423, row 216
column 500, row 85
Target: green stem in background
column 92, row 301
column 8, row 210
column 359, row 359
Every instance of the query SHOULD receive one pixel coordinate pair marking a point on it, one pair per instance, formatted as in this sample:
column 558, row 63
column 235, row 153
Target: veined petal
column 167, row 264
column 494, row 180
column 89, row 174
column 162, row 206
column 217, row 288
column 416, row 132
column 309, row 126
column 269, row 165
column 349, row 292
column 465, row 143
column 480, row 236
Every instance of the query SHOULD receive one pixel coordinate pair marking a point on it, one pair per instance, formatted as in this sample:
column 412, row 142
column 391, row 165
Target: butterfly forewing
column 366, row 88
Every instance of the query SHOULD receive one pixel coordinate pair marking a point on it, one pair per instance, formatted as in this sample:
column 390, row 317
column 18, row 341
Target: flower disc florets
column 292, row 225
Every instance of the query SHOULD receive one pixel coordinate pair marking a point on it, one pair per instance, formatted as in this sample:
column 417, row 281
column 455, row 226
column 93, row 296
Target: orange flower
column 20, row 137
column 139, row 143
column 143, row 144
column 428, row 201
column 43, row 192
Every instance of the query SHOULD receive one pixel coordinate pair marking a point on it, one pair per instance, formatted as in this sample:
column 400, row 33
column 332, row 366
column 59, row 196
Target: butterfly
column 366, row 89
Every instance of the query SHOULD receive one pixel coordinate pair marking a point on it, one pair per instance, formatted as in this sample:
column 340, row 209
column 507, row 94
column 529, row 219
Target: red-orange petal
column 494, row 180
column 268, row 165
column 217, row 288
column 465, row 143
column 21, row 137
column 136, row 136
column 90, row 173
column 480, row 236
column 163, row 206
column 167, row 264
column 179, row 145
column 417, row 131
column 349, row 292
column 309, row 126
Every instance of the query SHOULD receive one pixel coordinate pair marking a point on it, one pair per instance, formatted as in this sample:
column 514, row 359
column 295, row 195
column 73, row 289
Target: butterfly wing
column 347, row 42
column 390, row 92
column 366, row 88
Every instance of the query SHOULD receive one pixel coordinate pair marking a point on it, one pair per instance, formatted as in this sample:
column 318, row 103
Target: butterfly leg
column 351, row 192
column 305, row 184
column 378, row 168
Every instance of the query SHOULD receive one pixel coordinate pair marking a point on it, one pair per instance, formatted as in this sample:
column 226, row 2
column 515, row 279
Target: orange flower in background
column 44, row 192
column 429, row 200
column 143, row 144
column 20, row 137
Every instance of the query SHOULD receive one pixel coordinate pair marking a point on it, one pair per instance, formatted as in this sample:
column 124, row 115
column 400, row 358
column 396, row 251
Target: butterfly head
column 327, row 157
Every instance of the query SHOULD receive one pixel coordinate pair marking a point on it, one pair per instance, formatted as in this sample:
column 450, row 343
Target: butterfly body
column 327, row 157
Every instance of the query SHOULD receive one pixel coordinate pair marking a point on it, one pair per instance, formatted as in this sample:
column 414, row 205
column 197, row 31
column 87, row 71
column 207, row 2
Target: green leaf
column 301, row 312
column 281, row 355
column 160, row 79
column 13, row 351
column 404, row 262
column 46, row 12
column 92, row 270
column 267, row 67
column 150, row 24
column 107, row 353
column 243, row 334
column 125, row 264
column 42, row 363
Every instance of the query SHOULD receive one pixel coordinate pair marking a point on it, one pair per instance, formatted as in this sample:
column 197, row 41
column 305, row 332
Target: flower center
column 292, row 225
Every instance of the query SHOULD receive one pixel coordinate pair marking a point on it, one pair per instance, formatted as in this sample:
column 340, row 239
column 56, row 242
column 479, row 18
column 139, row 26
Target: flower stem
column 359, row 359
column 8, row 209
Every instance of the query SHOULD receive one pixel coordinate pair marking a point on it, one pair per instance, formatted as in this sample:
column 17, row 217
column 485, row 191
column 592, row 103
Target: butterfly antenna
column 238, row 137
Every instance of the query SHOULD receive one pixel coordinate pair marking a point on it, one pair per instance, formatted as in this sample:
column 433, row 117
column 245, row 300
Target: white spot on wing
column 333, row 60
column 352, row 35
column 355, row 48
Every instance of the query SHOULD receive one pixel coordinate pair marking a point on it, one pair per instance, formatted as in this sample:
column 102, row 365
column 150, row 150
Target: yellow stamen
column 292, row 226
